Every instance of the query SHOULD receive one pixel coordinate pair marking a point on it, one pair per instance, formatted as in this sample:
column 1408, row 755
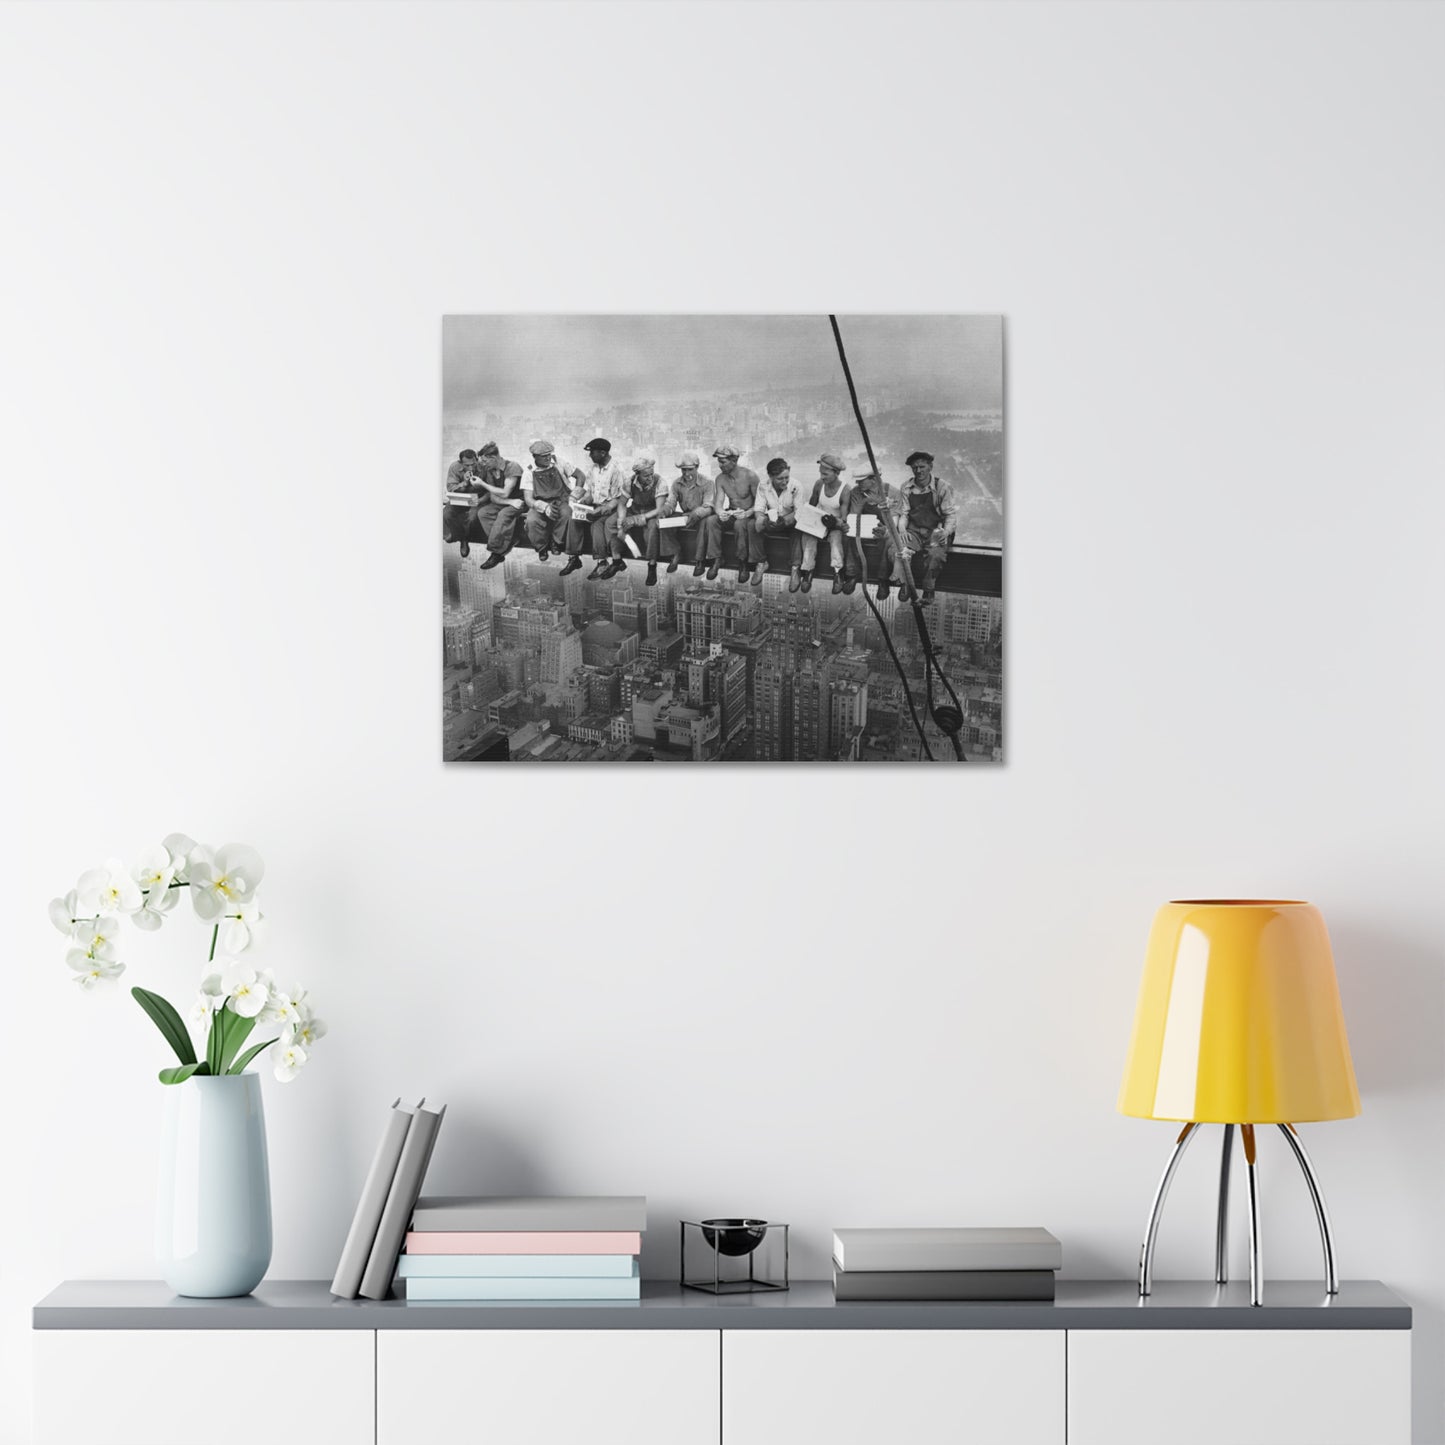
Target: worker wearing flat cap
column 835, row 500
column 463, row 497
column 639, row 514
column 602, row 491
column 736, row 495
column 925, row 512
column 502, row 504
column 549, row 516
column 692, row 496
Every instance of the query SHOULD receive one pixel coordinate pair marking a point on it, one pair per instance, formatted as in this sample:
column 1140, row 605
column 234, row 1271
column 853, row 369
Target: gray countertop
column 808, row 1305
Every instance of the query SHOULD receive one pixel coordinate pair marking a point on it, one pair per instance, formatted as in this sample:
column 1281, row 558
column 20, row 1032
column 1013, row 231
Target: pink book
column 545, row 1242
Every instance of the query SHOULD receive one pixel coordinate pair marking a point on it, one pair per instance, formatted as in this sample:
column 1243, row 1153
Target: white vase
column 213, row 1212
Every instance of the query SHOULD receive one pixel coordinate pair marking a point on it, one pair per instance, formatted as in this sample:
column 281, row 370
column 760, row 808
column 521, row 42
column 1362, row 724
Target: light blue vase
column 213, row 1214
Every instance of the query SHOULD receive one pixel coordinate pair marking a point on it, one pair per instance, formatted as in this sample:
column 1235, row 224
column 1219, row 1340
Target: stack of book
column 945, row 1264
column 481, row 1247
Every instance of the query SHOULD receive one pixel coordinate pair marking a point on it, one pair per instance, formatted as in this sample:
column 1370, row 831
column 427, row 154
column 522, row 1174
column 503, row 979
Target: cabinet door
column 1249, row 1387
column 547, row 1387
column 902, row 1387
column 202, row 1387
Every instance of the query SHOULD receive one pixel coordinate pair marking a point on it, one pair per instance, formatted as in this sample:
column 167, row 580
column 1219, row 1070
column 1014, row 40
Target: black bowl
column 734, row 1237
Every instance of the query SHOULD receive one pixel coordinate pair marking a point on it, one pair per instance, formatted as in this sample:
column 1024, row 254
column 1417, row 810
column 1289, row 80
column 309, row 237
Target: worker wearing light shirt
column 834, row 497
column 773, row 513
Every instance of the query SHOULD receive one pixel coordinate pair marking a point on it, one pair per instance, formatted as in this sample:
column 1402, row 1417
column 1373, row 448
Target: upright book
column 400, row 1200
column 902, row 1249
column 360, row 1237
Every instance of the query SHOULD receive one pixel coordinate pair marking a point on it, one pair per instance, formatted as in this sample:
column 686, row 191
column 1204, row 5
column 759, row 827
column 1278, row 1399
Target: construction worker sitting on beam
column 925, row 512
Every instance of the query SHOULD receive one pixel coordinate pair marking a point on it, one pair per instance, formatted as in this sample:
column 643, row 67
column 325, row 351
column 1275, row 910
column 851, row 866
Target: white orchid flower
column 63, row 912
column 223, row 881
column 243, row 929
column 153, row 911
column 305, row 1031
column 248, row 994
column 98, row 936
column 211, row 997
column 280, row 1009
column 154, row 869
column 108, row 889
column 91, row 971
column 290, row 1060
column 180, row 848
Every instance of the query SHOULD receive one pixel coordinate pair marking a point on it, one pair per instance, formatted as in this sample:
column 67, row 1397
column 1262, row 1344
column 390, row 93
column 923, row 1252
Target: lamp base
column 1221, row 1234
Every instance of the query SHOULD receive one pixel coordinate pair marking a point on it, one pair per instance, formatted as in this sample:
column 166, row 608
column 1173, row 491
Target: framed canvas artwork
column 722, row 538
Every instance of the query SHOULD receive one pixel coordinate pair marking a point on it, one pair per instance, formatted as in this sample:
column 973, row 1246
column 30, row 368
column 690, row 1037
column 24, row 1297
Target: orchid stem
column 215, row 933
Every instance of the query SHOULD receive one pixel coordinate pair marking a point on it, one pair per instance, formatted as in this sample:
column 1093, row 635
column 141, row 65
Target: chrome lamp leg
column 1332, row 1279
column 1221, row 1228
column 1146, row 1255
column 1251, row 1173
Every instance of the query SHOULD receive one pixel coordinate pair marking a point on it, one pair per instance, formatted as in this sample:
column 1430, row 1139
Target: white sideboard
column 129, row 1363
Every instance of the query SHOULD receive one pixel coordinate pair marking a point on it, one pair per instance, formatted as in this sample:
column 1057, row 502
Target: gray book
column 943, row 1284
column 933, row 1249
column 588, row 1213
column 400, row 1200
column 357, row 1249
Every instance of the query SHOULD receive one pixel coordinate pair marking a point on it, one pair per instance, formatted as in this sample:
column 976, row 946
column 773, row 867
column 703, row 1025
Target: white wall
column 1216, row 234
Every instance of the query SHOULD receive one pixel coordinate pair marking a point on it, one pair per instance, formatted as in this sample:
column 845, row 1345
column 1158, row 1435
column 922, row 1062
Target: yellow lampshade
column 1239, row 1018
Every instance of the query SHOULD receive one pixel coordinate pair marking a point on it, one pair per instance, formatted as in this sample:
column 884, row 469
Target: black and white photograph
column 722, row 538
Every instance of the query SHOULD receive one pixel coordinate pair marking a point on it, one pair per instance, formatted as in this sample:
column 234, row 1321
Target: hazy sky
column 510, row 361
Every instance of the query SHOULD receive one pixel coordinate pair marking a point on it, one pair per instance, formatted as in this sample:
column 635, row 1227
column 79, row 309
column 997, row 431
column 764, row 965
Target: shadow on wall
column 476, row 1155
column 1393, row 991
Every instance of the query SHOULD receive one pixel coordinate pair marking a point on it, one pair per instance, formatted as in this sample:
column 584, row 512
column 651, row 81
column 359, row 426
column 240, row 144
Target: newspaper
column 809, row 519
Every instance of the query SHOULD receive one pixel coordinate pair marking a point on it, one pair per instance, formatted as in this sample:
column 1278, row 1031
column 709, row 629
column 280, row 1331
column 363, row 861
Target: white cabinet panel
column 1248, row 1387
column 202, row 1387
column 893, row 1387
column 547, row 1387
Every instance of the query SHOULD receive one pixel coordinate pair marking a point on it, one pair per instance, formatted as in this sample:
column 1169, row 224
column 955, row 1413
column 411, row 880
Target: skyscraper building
column 773, row 704
column 709, row 614
column 847, row 714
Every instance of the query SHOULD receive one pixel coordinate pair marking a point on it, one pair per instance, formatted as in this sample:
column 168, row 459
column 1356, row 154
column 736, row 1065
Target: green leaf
column 236, row 1034
column 216, row 1038
column 168, row 1021
column 181, row 1072
column 239, row 1067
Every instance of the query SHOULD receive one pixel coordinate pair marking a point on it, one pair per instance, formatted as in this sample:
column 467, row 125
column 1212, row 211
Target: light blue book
column 478, row 1288
column 517, row 1266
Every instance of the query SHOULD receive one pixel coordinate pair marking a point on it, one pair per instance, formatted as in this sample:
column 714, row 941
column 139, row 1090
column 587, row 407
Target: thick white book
column 517, row 1266
column 524, row 1289
column 400, row 1200
column 941, row 1249
column 530, row 1213
column 670, row 522
column 359, row 1238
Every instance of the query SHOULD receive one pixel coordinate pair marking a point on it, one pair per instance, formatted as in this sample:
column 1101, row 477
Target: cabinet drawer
column 202, row 1387
column 903, row 1387
column 545, row 1387
column 1249, row 1387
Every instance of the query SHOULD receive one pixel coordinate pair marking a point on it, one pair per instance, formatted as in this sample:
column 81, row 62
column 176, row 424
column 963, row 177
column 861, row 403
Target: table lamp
column 1239, row 1023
